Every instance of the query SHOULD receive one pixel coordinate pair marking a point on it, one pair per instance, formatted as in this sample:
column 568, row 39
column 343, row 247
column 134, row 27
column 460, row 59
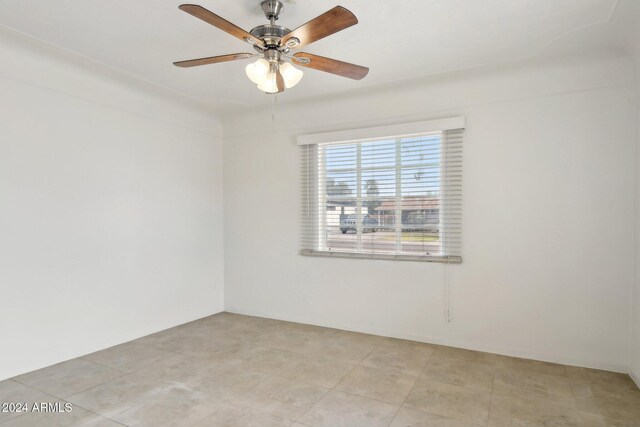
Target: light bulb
column 269, row 84
column 290, row 74
column 257, row 71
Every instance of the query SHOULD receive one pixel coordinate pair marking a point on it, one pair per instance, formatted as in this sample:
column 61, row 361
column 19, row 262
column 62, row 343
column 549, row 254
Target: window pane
column 382, row 196
column 399, row 195
column 341, row 157
column 420, row 201
column 378, row 154
column 379, row 235
column 341, row 196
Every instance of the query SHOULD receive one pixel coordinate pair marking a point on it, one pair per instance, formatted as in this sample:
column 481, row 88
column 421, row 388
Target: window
column 390, row 193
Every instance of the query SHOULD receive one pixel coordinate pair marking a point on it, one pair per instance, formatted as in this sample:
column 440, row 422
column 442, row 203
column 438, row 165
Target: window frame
column 395, row 133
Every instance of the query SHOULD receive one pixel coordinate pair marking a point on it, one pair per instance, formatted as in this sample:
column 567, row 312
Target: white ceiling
column 398, row 40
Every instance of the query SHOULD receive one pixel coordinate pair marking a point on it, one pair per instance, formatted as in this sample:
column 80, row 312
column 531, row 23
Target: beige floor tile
column 243, row 328
column 386, row 385
column 280, row 397
column 536, row 366
column 234, row 417
column 343, row 345
column 241, row 320
column 408, row 417
column 478, row 357
column 175, row 406
column 70, row 377
column 187, row 340
column 522, row 410
column 235, row 370
column 605, row 391
column 14, row 392
column 460, row 372
column 157, row 337
column 222, row 351
column 319, row 370
column 78, row 417
column 615, row 400
column 293, row 337
column 558, row 389
column 222, row 331
column 180, row 368
column 118, row 395
column 616, row 407
column 461, row 403
column 594, row 420
column 337, row 409
column 600, row 378
column 128, row 357
column 267, row 360
column 401, row 356
column 227, row 385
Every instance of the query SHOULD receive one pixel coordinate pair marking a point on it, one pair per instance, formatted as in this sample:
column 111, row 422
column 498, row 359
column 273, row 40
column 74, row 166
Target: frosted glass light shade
column 258, row 71
column 290, row 74
column 269, row 84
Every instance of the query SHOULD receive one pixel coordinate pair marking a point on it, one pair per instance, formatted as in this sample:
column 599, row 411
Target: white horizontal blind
column 391, row 198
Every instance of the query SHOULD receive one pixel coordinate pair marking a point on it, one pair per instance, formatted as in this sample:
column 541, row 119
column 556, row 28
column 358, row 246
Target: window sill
column 388, row 257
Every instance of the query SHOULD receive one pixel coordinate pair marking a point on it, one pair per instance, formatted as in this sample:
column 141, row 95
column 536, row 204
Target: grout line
column 312, row 406
column 340, row 381
column 424, row 368
column 493, row 383
column 494, row 370
column 333, row 388
column 32, row 387
column 95, row 413
column 79, row 391
column 365, row 397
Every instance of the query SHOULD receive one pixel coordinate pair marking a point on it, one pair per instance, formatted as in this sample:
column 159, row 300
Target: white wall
column 634, row 368
column 548, row 258
column 110, row 208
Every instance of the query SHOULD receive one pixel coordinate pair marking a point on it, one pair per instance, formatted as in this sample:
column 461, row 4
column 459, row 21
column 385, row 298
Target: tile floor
column 237, row 371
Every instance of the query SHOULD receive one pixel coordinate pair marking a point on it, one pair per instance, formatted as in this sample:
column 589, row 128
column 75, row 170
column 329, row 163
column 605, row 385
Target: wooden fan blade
column 212, row 60
column 332, row 66
column 279, row 82
column 330, row 22
column 213, row 19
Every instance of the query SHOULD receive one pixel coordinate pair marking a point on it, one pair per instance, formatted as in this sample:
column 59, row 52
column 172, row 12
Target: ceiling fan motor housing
column 270, row 34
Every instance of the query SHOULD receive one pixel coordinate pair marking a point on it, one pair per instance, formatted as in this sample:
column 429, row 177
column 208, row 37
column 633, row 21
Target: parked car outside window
column 349, row 224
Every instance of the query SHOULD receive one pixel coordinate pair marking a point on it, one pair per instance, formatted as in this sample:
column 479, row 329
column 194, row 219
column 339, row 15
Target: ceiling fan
column 273, row 43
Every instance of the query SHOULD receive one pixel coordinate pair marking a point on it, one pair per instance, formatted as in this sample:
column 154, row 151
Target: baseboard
column 505, row 351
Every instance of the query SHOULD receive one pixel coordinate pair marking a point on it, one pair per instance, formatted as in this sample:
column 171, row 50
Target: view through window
column 396, row 196
column 383, row 196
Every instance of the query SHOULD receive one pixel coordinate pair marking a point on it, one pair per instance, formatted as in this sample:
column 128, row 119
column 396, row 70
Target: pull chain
column 273, row 108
